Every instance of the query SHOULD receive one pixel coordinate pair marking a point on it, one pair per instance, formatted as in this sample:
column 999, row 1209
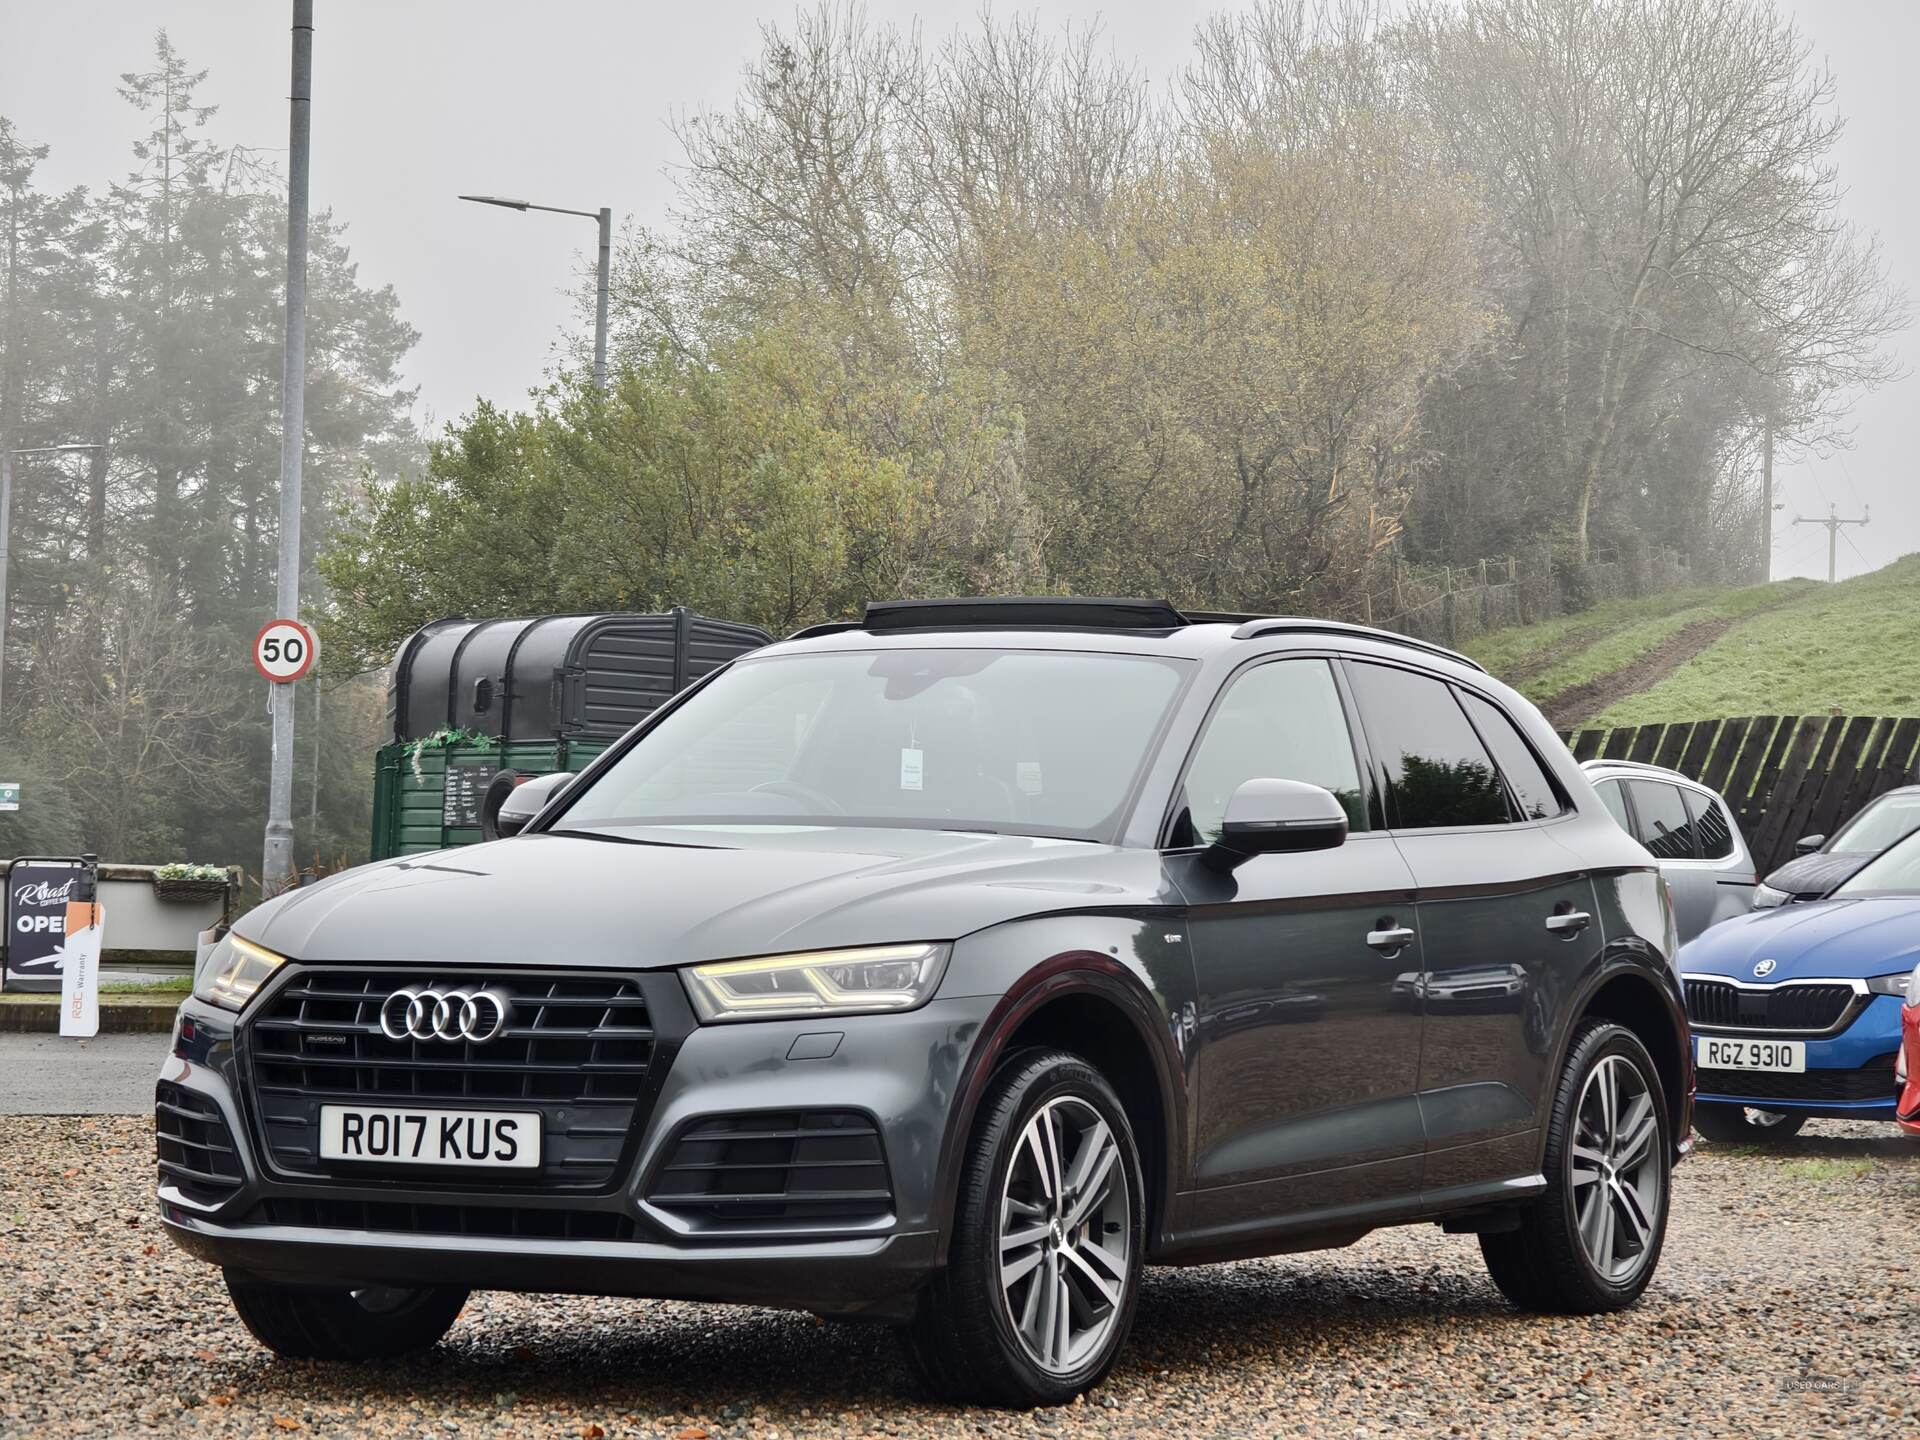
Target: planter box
column 189, row 891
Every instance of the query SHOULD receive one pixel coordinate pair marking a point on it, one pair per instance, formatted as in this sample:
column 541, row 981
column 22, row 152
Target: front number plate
column 1713, row 1052
column 481, row 1139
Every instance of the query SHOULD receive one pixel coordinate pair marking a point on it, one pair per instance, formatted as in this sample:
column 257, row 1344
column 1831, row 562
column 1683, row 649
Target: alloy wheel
column 1065, row 1235
column 1619, row 1179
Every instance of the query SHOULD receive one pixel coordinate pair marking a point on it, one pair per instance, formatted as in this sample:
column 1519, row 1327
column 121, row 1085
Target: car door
column 1505, row 913
column 1662, row 824
column 1723, row 856
column 1307, row 967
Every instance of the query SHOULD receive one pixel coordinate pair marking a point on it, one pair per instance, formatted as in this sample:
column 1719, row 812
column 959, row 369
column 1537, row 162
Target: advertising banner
column 80, row 967
column 37, row 895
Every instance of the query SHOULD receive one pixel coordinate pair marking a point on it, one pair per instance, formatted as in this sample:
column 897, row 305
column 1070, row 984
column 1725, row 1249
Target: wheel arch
column 1087, row 1003
column 1629, row 996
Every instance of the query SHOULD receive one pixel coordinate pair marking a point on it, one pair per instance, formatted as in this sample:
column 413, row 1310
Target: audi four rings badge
column 429, row 1014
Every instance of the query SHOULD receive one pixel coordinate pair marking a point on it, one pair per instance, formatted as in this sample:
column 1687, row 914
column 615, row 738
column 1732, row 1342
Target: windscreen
column 1029, row 742
column 1890, row 818
column 1893, row 872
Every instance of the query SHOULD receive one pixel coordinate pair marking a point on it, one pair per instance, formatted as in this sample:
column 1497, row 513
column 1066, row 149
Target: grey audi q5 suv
column 948, row 968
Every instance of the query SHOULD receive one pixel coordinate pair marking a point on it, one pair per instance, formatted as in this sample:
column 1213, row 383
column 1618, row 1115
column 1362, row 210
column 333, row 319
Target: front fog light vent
column 814, row 1167
column 193, row 1147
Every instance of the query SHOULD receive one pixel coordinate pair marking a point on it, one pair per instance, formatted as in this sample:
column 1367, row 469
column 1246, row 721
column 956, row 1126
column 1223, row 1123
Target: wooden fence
column 1784, row 775
column 1453, row 604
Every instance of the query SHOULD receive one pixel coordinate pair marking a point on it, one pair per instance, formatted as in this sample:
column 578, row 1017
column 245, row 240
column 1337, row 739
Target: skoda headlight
column 1901, row 985
column 870, row 980
column 234, row 971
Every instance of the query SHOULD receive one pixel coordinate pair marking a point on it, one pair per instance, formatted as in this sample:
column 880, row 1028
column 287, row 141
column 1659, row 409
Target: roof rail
column 1632, row 765
column 831, row 627
column 1280, row 625
column 1067, row 612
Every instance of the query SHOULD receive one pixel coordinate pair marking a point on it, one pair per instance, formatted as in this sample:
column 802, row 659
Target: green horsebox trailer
column 479, row 705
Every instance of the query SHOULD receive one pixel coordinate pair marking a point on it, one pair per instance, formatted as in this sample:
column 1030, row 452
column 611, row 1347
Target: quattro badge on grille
column 426, row 1013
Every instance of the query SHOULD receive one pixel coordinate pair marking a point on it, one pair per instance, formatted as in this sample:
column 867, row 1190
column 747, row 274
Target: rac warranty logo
column 1763, row 969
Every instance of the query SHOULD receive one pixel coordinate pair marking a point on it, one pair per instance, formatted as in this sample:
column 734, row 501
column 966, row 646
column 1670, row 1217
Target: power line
column 1856, row 549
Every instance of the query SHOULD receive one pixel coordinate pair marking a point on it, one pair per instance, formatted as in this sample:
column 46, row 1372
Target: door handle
column 1569, row 923
column 1396, row 937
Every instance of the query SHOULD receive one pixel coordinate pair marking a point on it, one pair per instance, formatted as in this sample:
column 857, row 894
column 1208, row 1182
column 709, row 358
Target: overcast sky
column 416, row 101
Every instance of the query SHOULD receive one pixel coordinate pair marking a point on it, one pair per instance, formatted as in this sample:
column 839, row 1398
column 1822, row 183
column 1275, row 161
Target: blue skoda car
column 1796, row 1011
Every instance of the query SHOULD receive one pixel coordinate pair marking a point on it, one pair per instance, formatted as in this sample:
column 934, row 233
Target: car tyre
column 371, row 1323
column 1608, row 1145
column 1043, row 1271
column 1740, row 1125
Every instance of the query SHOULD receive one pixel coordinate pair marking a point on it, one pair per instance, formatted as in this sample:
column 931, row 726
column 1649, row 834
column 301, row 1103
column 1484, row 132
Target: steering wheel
column 799, row 792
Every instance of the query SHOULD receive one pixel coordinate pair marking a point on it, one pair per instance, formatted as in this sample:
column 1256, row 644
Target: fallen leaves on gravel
column 1753, row 1327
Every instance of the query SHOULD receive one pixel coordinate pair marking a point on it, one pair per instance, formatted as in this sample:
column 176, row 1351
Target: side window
column 1431, row 766
column 1710, row 823
column 1614, row 797
column 1527, row 778
column 1665, row 828
column 1283, row 721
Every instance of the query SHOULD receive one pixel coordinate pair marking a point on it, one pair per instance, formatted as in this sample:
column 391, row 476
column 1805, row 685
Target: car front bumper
column 900, row 1070
column 1865, row 1049
column 878, row 1275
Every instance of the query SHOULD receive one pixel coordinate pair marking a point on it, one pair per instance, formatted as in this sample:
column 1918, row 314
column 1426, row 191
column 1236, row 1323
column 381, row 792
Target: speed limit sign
column 283, row 651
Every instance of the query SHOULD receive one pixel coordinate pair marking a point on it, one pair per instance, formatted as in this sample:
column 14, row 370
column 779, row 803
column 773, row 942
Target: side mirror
column 1808, row 844
column 525, row 800
column 1268, row 817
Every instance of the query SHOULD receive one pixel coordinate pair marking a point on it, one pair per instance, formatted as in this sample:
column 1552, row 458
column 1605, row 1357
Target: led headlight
column 1900, row 984
column 866, row 981
column 235, row 970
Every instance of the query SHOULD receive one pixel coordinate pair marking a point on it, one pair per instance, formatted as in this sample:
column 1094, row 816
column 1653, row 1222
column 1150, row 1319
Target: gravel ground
column 1788, row 1304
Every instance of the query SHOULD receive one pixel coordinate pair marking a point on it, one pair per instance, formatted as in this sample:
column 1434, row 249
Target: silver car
column 1690, row 831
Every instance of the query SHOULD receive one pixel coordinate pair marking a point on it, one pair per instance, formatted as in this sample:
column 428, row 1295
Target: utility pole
column 1833, row 522
column 276, row 868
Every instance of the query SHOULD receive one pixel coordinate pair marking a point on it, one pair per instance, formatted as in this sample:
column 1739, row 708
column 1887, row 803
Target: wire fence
column 1452, row 604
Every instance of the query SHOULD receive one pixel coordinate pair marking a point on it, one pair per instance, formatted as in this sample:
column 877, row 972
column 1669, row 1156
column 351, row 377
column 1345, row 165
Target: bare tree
column 1661, row 171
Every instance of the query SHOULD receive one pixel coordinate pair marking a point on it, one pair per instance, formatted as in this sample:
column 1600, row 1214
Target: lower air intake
column 807, row 1166
column 193, row 1147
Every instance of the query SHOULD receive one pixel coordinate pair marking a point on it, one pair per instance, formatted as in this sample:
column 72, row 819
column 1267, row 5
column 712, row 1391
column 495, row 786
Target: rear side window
column 1615, row 799
column 1664, row 825
column 1432, row 768
column 1281, row 721
column 1710, row 825
column 1527, row 778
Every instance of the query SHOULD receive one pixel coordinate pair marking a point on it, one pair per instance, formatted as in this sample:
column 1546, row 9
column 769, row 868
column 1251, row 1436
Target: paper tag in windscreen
column 910, row 760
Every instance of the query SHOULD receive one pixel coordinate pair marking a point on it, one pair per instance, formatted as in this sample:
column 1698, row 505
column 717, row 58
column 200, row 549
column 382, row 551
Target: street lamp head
column 505, row 204
column 76, row 448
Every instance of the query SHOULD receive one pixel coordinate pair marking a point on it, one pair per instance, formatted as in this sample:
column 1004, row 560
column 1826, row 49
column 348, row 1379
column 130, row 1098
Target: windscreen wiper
column 633, row 840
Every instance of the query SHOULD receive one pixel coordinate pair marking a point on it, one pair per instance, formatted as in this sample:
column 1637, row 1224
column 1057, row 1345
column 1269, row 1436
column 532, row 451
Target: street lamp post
column 605, row 218
column 6, row 529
